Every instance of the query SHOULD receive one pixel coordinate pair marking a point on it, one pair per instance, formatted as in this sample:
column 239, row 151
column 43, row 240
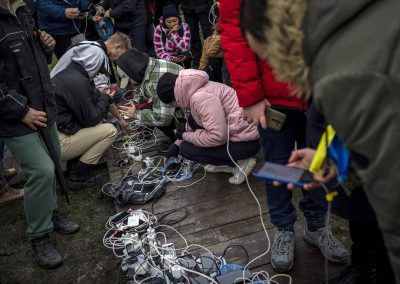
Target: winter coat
column 147, row 71
column 215, row 108
column 211, row 49
column 52, row 19
column 79, row 103
column 168, row 44
column 24, row 75
column 127, row 13
column 252, row 79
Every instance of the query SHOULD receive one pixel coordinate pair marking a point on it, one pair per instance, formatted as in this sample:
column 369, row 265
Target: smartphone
column 284, row 174
column 119, row 218
column 275, row 118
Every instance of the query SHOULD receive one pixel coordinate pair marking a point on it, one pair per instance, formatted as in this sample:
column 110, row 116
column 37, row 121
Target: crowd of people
column 204, row 73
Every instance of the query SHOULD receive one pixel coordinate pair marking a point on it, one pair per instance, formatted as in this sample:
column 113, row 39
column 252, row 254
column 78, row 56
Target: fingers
column 263, row 122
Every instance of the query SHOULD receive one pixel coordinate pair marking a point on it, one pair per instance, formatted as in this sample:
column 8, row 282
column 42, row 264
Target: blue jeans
column 277, row 147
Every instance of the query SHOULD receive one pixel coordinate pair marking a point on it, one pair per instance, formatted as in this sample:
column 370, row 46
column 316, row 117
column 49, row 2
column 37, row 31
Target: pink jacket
column 213, row 106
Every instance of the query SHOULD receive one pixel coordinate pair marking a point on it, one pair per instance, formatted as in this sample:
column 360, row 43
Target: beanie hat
column 169, row 10
column 165, row 88
column 133, row 63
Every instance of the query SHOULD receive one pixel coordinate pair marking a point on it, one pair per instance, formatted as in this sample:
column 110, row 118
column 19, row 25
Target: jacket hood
column 92, row 62
column 134, row 63
column 298, row 29
column 189, row 82
column 10, row 6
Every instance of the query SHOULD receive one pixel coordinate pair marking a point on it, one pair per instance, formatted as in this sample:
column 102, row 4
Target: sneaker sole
column 311, row 242
column 219, row 171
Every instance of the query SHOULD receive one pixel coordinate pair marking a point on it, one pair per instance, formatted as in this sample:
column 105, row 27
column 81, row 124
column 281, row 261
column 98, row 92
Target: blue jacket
column 52, row 19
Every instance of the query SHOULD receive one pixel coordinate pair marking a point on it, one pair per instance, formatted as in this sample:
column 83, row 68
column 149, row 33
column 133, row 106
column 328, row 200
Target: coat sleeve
column 88, row 110
column 159, row 45
column 123, row 8
column 213, row 120
column 241, row 61
column 49, row 8
column 13, row 105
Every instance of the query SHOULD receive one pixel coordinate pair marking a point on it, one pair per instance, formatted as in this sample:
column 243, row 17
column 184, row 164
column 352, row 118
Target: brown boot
column 10, row 194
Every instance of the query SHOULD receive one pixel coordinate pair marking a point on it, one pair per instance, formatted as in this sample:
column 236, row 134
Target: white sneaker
column 246, row 166
column 218, row 169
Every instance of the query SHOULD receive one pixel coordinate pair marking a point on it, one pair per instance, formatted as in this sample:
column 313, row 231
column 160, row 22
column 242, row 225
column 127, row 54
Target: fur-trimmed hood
column 285, row 43
column 298, row 30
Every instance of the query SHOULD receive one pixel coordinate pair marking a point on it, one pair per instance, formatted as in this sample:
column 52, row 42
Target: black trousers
column 368, row 250
column 218, row 155
column 193, row 20
column 63, row 42
column 169, row 131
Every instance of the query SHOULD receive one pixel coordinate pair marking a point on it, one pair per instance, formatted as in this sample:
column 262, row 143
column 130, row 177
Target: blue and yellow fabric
column 331, row 147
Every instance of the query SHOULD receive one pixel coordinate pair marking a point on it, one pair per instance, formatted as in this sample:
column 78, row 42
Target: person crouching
column 215, row 123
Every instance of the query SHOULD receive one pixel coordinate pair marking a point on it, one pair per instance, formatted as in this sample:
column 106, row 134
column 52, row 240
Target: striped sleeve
column 182, row 43
column 159, row 45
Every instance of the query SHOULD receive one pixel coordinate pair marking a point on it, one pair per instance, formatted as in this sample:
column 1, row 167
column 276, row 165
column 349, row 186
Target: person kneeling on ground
column 81, row 108
column 141, row 69
column 216, row 122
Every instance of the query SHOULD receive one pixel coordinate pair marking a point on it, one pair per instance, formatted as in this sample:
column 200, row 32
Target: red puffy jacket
column 251, row 77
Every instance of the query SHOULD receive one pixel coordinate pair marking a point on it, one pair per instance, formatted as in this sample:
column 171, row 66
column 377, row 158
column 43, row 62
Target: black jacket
column 127, row 13
column 24, row 75
column 79, row 103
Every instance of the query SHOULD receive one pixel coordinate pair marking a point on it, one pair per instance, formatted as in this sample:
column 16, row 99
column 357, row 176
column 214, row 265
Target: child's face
column 215, row 34
column 171, row 22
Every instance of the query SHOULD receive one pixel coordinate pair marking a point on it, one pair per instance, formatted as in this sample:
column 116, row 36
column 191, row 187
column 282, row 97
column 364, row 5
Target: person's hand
column 125, row 126
column 109, row 92
column 47, row 40
column 96, row 19
column 175, row 29
column 35, row 118
column 174, row 58
column 256, row 113
column 72, row 13
column 181, row 58
column 128, row 109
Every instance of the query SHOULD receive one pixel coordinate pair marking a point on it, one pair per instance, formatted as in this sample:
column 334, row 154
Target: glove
column 173, row 151
column 180, row 129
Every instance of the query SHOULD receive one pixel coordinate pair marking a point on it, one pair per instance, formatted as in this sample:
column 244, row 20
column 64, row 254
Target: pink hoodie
column 213, row 106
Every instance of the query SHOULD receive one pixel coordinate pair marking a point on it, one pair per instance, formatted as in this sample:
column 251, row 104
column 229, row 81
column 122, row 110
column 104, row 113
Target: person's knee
column 44, row 172
column 110, row 130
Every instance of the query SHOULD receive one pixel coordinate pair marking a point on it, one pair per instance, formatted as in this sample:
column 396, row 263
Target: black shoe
column 77, row 182
column 62, row 225
column 44, row 252
column 354, row 275
column 164, row 147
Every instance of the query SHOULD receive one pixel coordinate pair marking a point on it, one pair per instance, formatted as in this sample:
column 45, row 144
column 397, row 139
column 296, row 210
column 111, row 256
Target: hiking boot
column 77, row 182
column 245, row 166
column 354, row 275
column 10, row 194
column 331, row 248
column 218, row 169
column 44, row 252
column 282, row 253
column 62, row 225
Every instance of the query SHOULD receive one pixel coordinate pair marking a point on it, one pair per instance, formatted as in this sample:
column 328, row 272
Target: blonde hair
column 121, row 38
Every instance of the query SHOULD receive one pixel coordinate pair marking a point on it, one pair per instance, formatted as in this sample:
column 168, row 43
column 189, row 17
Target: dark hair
column 253, row 18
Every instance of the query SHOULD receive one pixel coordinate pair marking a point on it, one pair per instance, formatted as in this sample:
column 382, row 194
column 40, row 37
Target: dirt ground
column 85, row 258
